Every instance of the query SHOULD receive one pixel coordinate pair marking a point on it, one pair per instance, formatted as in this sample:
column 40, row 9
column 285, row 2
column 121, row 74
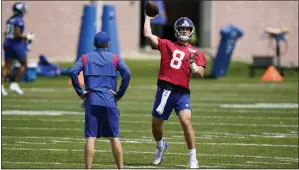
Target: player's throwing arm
column 151, row 11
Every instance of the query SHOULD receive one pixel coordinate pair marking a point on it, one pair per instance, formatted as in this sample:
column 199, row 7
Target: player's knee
column 23, row 67
column 185, row 119
column 155, row 126
column 186, row 123
column 157, row 123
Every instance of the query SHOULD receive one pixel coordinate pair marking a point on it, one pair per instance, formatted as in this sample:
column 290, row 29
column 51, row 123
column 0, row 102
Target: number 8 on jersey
column 177, row 57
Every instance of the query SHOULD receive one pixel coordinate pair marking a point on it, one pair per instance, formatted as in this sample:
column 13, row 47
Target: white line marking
column 57, row 112
column 36, row 143
column 220, row 124
column 266, row 135
column 48, row 89
column 147, row 110
column 270, row 163
column 50, row 112
column 166, row 153
column 170, row 123
column 262, row 105
column 146, row 141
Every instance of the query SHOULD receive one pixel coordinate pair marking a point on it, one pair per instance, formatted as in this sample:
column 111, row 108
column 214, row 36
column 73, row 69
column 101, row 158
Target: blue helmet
column 19, row 8
column 183, row 22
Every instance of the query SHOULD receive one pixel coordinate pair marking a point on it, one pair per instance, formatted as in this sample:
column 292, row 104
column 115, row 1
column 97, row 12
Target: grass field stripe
column 193, row 85
column 128, row 140
column 237, row 136
column 146, row 141
column 148, row 110
column 66, row 163
column 172, row 123
column 49, row 113
column 221, row 124
column 125, row 166
column 261, row 105
column 151, row 99
column 124, row 140
column 200, row 166
column 166, row 153
column 40, row 102
column 293, row 135
column 56, row 112
column 269, row 163
column 223, row 165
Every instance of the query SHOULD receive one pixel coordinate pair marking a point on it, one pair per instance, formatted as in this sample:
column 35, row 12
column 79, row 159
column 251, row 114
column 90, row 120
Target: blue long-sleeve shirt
column 100, row 76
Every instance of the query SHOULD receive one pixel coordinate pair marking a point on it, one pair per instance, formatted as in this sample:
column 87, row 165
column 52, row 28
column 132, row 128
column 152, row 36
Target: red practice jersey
column 174, row 65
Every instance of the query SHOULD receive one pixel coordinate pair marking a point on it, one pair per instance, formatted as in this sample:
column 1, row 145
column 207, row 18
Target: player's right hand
column 192, row 57
column 30, row 36
column 150, row 17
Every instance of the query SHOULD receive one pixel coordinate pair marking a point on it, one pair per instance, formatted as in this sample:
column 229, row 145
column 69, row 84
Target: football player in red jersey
column 178, row 60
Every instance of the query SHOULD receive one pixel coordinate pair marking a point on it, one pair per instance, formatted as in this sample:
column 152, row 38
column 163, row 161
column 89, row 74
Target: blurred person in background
column 178, row 60
column 101, row 113
column 157, row 24
column 15, row 46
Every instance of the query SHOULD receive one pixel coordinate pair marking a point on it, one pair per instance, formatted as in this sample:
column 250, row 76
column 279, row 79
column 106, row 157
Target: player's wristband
column 194, row 68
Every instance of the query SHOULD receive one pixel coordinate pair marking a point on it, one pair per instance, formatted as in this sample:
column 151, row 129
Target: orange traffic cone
column 271, row 74
column 81, row 79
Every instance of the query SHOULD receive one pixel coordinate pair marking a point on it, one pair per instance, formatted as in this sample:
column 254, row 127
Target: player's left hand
column 192, row 57
column 84, row 95
column 117, row 97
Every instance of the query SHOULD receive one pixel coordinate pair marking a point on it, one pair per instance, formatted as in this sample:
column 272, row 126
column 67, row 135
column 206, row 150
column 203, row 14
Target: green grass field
column 226, row 137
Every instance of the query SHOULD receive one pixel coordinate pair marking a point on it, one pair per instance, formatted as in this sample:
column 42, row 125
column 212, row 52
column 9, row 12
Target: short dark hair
column 101, row 46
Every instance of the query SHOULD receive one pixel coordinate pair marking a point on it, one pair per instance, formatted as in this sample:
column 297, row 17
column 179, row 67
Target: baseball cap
column 101, row 38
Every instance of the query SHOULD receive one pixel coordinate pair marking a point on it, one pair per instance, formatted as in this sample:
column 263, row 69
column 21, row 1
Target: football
column 151, row 9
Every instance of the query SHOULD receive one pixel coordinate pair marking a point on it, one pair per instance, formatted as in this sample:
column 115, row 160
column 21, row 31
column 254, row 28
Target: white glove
column 30, row 36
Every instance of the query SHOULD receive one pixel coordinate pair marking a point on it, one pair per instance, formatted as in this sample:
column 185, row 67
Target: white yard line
column 57, row 112
column 123, row 140
column 46, row 90
column 139, row 152
column 148, row 110
column 41, row 101
column 268, row 163
column 262, row 105
column 221, row 124
column 151, row 99
column 36, row 112
column 266, row 135
column 169, row 123
column 240, row 136
column 147, row 141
